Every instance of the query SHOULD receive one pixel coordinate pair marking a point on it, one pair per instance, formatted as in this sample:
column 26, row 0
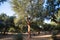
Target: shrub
column 54, row 35
column 19, row 37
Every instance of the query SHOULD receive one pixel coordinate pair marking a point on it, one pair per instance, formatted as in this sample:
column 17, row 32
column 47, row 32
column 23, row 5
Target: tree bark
column 28, row 24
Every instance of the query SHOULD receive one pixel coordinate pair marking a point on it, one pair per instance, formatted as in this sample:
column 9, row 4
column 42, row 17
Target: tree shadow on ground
column 5, row 36
column 11, row 36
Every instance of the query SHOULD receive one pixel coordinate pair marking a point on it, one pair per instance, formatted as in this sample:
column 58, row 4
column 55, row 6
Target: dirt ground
column 25, row 37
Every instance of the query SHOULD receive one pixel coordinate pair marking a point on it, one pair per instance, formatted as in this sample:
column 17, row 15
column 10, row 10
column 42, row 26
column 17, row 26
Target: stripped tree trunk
column 28, row 24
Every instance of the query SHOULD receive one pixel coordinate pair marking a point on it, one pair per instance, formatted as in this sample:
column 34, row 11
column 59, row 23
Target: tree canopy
column 2, row 1
column 6, row 22
column 36, row 11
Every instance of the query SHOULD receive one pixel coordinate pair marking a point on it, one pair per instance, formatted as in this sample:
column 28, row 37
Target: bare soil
column 25, row 37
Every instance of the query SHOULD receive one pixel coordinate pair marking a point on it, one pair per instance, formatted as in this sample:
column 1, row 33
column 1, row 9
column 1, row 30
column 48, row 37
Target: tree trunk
column 38, row 32
column 29, row 34
column 28, row 24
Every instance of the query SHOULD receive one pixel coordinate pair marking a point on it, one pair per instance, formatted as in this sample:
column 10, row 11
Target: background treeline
column 7, row 25
column 36, row 11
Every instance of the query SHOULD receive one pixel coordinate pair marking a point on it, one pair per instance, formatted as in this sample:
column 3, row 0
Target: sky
column 6, row 8
column 47, row 21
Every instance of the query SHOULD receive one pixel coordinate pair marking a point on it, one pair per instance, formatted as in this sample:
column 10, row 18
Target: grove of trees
column 35, row 12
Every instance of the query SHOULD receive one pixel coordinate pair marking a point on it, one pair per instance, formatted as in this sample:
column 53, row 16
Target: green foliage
column 48, row 27
column 57, row 27
column 25, row 8
column 2, row 1
column 22, row 8
column 35, row 27
column 24, row 29
column 6, row 22
column 52, row 11
column 11, row 30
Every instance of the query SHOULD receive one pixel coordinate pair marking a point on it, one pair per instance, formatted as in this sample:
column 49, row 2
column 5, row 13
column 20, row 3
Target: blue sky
column 47, row 21
column 6, row 8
